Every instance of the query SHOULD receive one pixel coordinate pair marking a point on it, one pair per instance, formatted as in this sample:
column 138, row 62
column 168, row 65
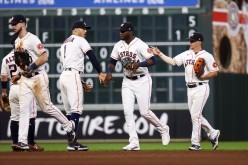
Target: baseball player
column 10, row 69
column 73, row 51
column 197, row 88
column 137, row 83
column 34, row 82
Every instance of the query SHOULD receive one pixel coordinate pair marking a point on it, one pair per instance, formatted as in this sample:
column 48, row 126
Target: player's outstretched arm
column 111, row 68
column 101, row 77
column 165, row 58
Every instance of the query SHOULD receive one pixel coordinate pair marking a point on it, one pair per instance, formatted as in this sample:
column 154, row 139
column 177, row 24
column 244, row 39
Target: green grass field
column 145, row 146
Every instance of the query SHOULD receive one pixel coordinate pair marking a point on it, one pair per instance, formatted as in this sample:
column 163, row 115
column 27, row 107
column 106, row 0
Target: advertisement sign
column 40, row 4
column 106, row 125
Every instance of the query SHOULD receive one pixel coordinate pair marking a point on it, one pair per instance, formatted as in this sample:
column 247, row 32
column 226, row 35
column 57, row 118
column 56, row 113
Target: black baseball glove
column 127, row 63
column 22, row 58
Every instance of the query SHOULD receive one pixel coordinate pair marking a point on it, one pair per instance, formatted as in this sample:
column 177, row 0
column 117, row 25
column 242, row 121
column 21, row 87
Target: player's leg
column 212, row 133
column 42, row 95
column 128, row 100
column 143, row 88
column 15, row 115
column 198, row 97
column 72, row 97
column 25, row 100
column 33, row 146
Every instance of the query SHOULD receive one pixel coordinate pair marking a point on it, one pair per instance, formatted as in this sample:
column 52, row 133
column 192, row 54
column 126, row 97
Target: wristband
column 143, row 64
column 4, row 84
column 33, row 66
column 110, row 70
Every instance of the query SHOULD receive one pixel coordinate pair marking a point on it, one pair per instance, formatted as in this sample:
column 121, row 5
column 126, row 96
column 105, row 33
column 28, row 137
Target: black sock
column 75, row 118
column 14, row 127
column 31, row 131
column 68, row 117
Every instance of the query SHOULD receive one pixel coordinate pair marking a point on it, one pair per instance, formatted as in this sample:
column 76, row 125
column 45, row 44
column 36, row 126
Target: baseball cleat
column 131, row 147
column 15, row 148
column 77, row 147
column 35, row 147
column 166, row 137
column 22, row 146
column 194, row 148
column 215, row 141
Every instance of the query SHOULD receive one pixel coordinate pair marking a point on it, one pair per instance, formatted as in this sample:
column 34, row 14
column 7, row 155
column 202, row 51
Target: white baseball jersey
column 73, row 51
column 188, row 59
column 36, row 86
column 139, row 89
column 33, row 45
column 198, row 95
column 10, row 69
column 137, row 50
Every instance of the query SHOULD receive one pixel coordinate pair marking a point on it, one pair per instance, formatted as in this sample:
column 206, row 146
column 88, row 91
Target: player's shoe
column 35, row 147
column 166, row 137
column 131, row 147
column 194, row 148
column 215, row 140
column 75, row 146
column 22, row 146
column 15, row 148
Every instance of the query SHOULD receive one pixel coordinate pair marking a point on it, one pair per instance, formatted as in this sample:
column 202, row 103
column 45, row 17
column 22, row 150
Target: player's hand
column 15, row 78
column 135, row 66
column 107, row 79
column 154, row 50
column 101, row 77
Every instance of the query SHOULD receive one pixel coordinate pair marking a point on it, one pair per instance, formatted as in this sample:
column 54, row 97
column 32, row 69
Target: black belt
column 135, row 77
column 30, row 74
column 194, row 85
column 70, row 69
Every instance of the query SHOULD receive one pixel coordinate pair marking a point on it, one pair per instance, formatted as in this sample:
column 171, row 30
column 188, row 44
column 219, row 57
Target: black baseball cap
column 126, row 26
column 196, row 36
column 80, row 24
column 18, row 19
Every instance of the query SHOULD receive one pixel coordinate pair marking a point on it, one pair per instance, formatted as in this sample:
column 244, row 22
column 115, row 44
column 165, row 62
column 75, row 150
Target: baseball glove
column 127, row 63
column 22, row 58
column 4, row 104
column 86, row 87
column 199, row 67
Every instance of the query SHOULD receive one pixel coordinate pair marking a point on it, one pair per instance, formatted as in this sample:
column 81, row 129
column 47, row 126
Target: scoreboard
column 168, row 30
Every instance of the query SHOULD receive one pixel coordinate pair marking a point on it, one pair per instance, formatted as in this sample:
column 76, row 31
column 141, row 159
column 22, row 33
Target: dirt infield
column 125, row 158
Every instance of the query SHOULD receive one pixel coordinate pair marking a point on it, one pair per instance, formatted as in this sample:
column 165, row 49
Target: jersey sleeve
column 143, row 47
column 211, row 64
column 4, row 67
column 38, row 46
column 85, row 46
column 179, row 59
column 115, row 53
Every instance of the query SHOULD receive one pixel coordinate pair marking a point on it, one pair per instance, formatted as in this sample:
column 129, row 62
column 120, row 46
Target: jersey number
column 12, row 70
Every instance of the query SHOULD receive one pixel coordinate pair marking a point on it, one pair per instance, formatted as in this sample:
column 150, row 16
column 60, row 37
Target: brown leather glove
column 4, row 104
column 199, row 67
